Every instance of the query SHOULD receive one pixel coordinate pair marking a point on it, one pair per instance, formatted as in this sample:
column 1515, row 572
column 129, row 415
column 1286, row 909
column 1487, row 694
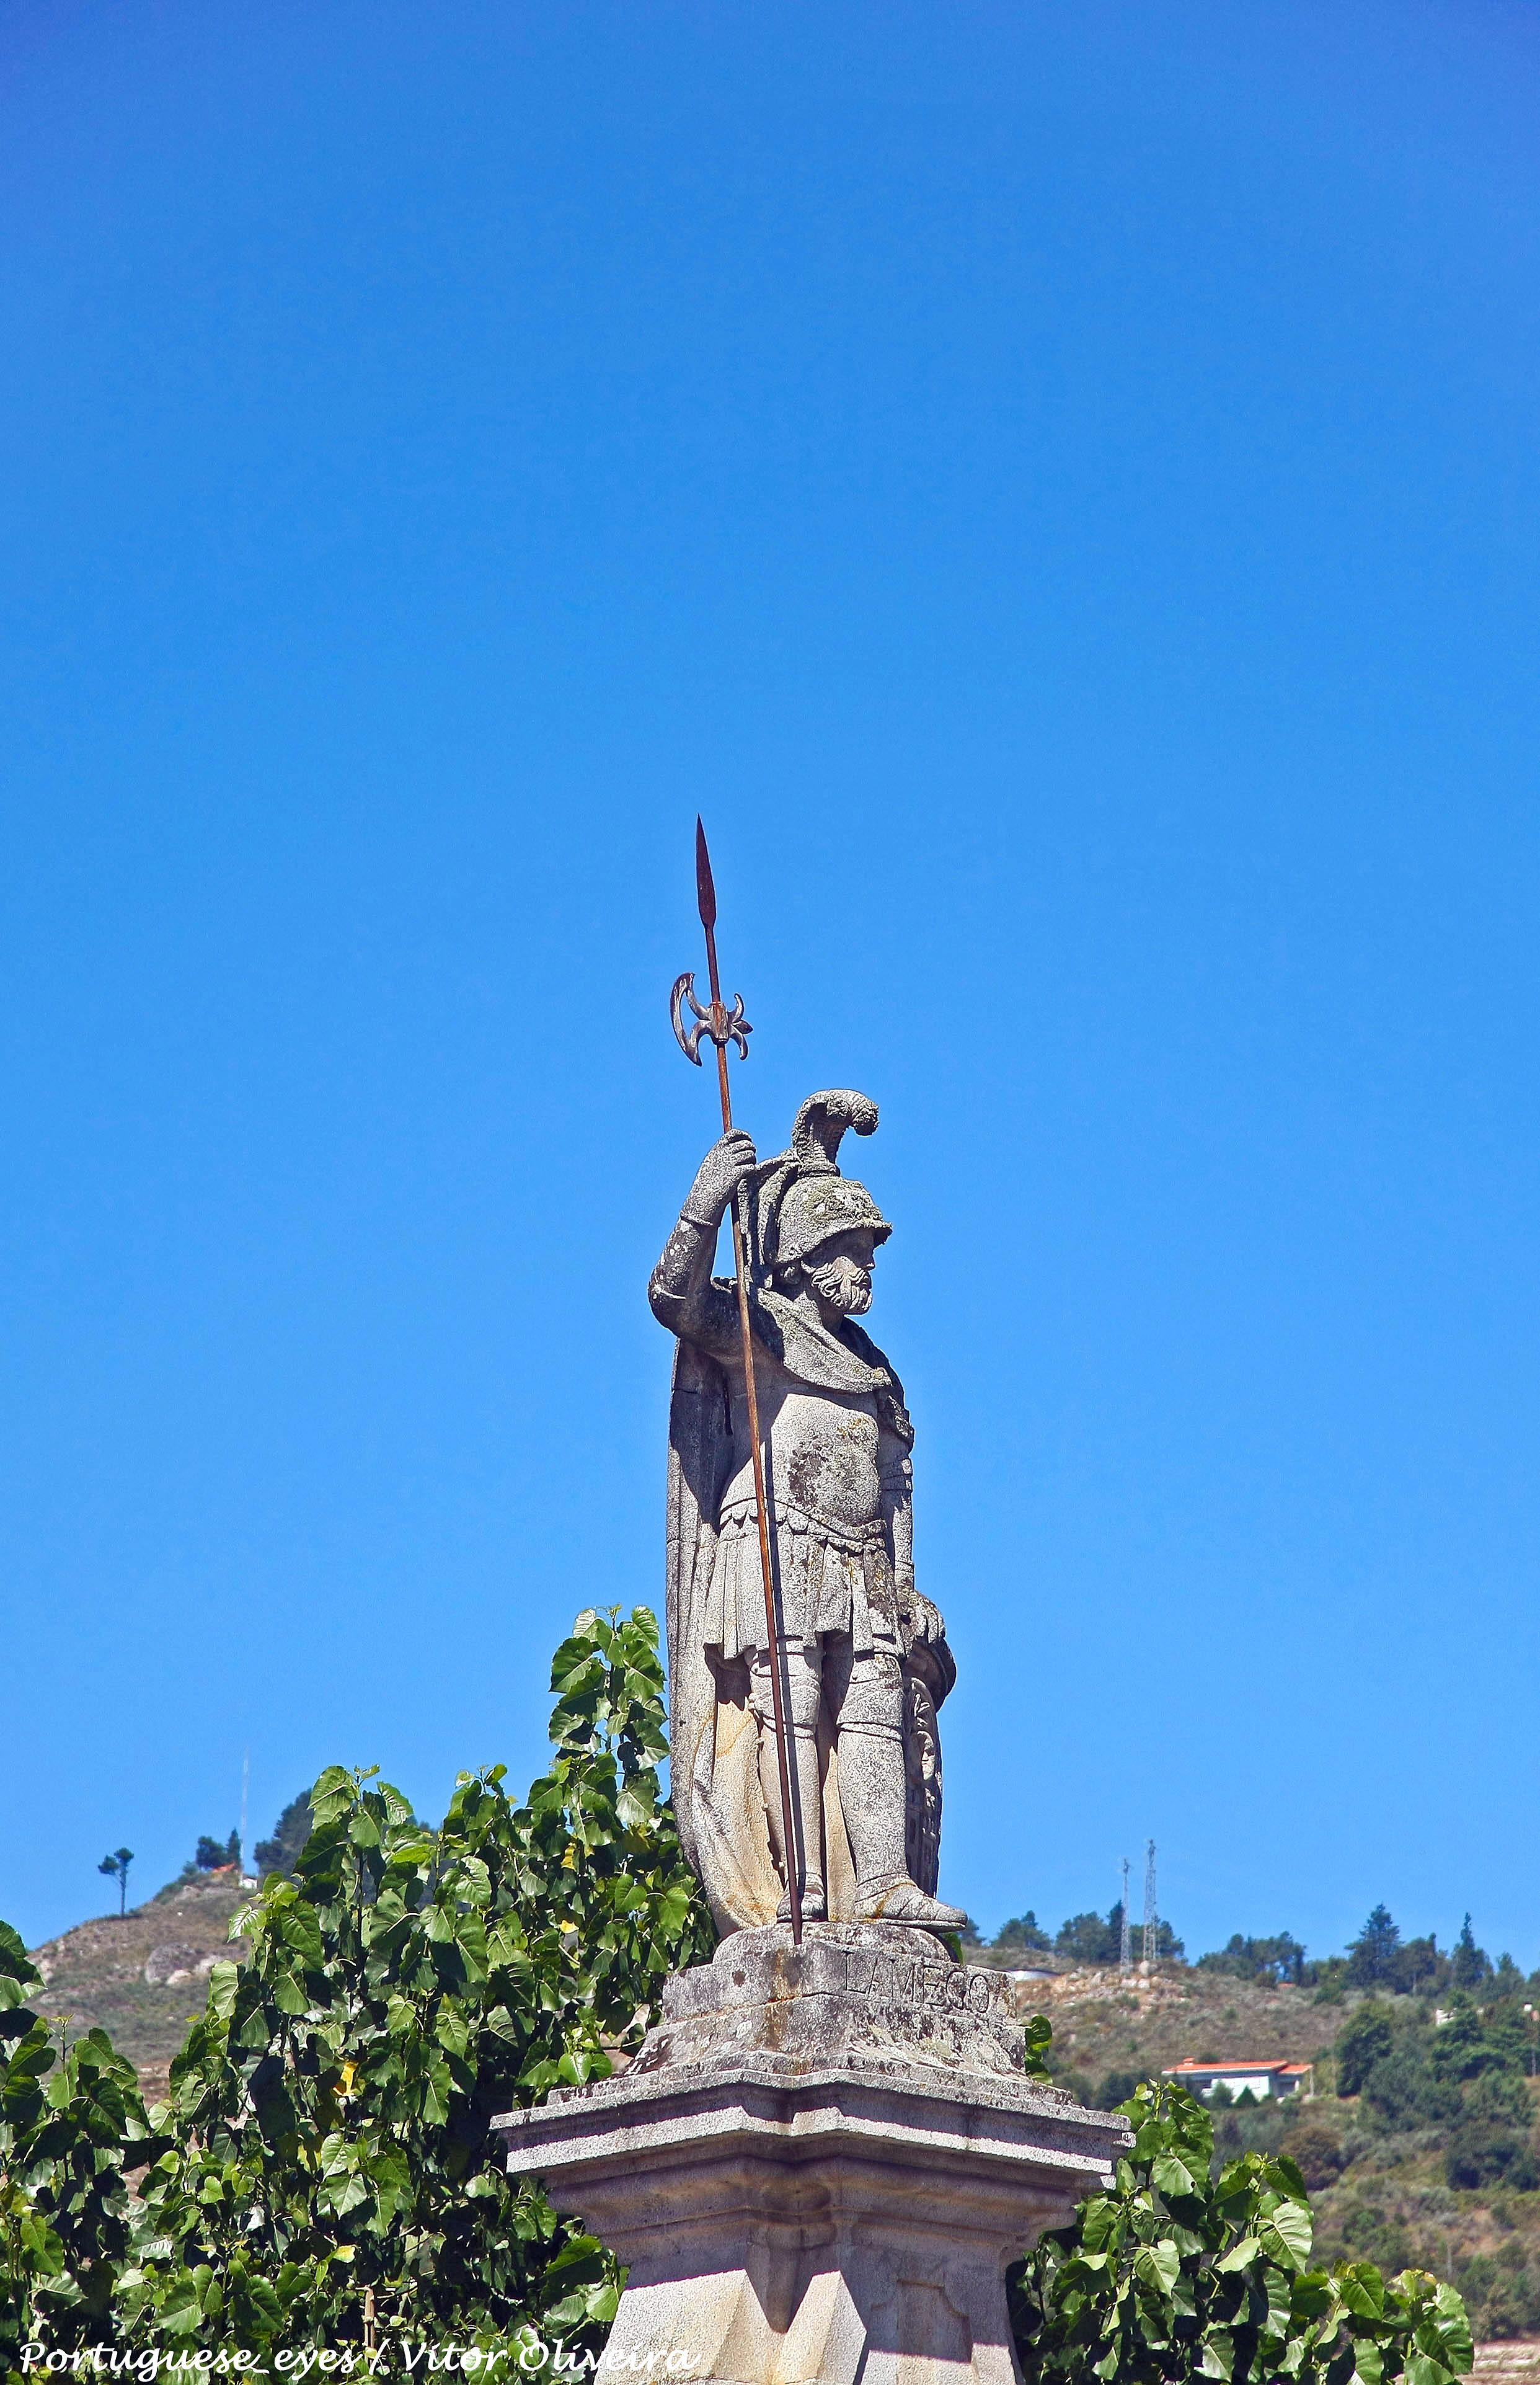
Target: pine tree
column 1471, row 1963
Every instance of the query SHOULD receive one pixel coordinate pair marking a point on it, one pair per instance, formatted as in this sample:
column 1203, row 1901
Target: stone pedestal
column 820, row 2166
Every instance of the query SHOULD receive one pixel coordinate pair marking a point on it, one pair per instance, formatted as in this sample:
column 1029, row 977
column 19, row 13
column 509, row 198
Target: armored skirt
column 830, row 1577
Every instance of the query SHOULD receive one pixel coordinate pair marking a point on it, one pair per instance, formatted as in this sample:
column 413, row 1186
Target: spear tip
column 704, row 888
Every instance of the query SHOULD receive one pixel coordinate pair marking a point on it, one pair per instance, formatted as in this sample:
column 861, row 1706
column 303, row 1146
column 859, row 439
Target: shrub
column 1482, row 2154
column 71, row 2127
column 1174, row 2273
column 1493, row 2141
column 1316, row 2153
column 1404, row 2091
column 333, row 2169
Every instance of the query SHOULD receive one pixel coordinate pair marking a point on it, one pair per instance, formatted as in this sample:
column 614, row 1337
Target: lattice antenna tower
column 1151, row 1924
column 1125, row 1948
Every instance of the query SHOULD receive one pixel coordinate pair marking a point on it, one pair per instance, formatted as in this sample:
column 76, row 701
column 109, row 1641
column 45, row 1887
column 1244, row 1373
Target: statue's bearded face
column 840, row 1274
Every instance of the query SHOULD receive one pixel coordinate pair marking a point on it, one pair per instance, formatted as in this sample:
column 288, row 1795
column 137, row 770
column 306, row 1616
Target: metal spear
column 722, row 1027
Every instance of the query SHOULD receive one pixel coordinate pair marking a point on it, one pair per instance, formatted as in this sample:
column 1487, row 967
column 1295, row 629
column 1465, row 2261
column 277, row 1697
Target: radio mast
column 1151, row 1924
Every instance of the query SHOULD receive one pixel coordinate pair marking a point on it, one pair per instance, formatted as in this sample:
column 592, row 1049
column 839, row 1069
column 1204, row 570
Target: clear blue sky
column 1057, row 486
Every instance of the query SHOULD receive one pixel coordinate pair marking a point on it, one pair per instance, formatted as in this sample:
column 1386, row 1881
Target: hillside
column 1377, row 2162
column 142, row 1975
column 1105, row 2028
column 1377, row 2170
column 142, row 1978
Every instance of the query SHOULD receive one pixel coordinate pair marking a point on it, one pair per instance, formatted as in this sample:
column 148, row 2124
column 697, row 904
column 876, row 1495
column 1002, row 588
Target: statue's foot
column 813, row 1906
column 899, row 1900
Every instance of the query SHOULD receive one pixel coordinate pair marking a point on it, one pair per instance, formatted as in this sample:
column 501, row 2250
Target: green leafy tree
column 1025, row 1933
column 72, row 2124
column 1280, row 1957
column 212, row 1854
column 1366, row 2038
column 1419, row 1963
column 1460, row 2048
column 334, row 2178
column 1472, row 2042
column 1403, row 2089
column 1086, row 1937
column 116, row 1867
column 282, row 1850
column 1178, row 2274
column 1508, row 2034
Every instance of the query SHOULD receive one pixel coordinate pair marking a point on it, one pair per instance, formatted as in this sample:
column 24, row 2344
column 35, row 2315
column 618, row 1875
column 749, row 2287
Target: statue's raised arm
column 862, row 1657
column 682, row 1293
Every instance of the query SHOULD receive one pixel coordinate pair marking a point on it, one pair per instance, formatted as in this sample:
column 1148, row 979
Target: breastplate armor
column 823, row 1461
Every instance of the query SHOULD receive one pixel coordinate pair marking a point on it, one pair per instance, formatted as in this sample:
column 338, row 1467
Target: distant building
column 1264, row 2078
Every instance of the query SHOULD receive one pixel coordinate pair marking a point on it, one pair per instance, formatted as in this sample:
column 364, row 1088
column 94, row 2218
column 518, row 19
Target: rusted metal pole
column 724, row 1026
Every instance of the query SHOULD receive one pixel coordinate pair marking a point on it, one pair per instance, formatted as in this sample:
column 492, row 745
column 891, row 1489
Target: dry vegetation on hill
column 1104, row 2026
column 142, row 1975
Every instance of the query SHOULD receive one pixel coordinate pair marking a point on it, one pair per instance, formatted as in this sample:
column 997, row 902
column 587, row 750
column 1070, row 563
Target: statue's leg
column 801, row 1689
column 867, row 1699
column 873, row 1789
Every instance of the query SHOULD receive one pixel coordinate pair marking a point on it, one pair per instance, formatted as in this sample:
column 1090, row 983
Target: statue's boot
column 814, row 1903
column 873, row 1798
column 899, row 1900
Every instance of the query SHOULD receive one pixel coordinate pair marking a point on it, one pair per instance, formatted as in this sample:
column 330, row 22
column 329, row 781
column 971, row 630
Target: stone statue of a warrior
column 863, row 1657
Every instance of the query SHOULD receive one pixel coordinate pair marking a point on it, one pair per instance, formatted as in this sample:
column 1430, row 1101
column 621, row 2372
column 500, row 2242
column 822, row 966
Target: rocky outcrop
column 142, row 1975
column 167, row 1967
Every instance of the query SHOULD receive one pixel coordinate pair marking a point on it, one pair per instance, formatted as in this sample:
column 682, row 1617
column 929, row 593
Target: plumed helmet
column 817, row 1207
column 803, row 1200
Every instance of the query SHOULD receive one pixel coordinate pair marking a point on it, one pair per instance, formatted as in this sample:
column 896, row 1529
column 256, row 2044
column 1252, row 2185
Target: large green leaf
column 1289, row 2233
column 1223, row 2292
column 1158, row 2265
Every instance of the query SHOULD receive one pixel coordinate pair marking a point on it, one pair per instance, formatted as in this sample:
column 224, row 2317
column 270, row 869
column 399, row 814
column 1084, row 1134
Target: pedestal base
column 820, row 2166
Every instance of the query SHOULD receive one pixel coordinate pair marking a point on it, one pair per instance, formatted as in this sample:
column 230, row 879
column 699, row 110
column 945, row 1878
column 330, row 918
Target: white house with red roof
column 1265, row 2080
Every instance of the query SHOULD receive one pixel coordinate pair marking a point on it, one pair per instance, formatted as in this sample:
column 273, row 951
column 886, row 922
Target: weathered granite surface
column 876, row 2000
column 858, row 1654
column 820, row 2166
